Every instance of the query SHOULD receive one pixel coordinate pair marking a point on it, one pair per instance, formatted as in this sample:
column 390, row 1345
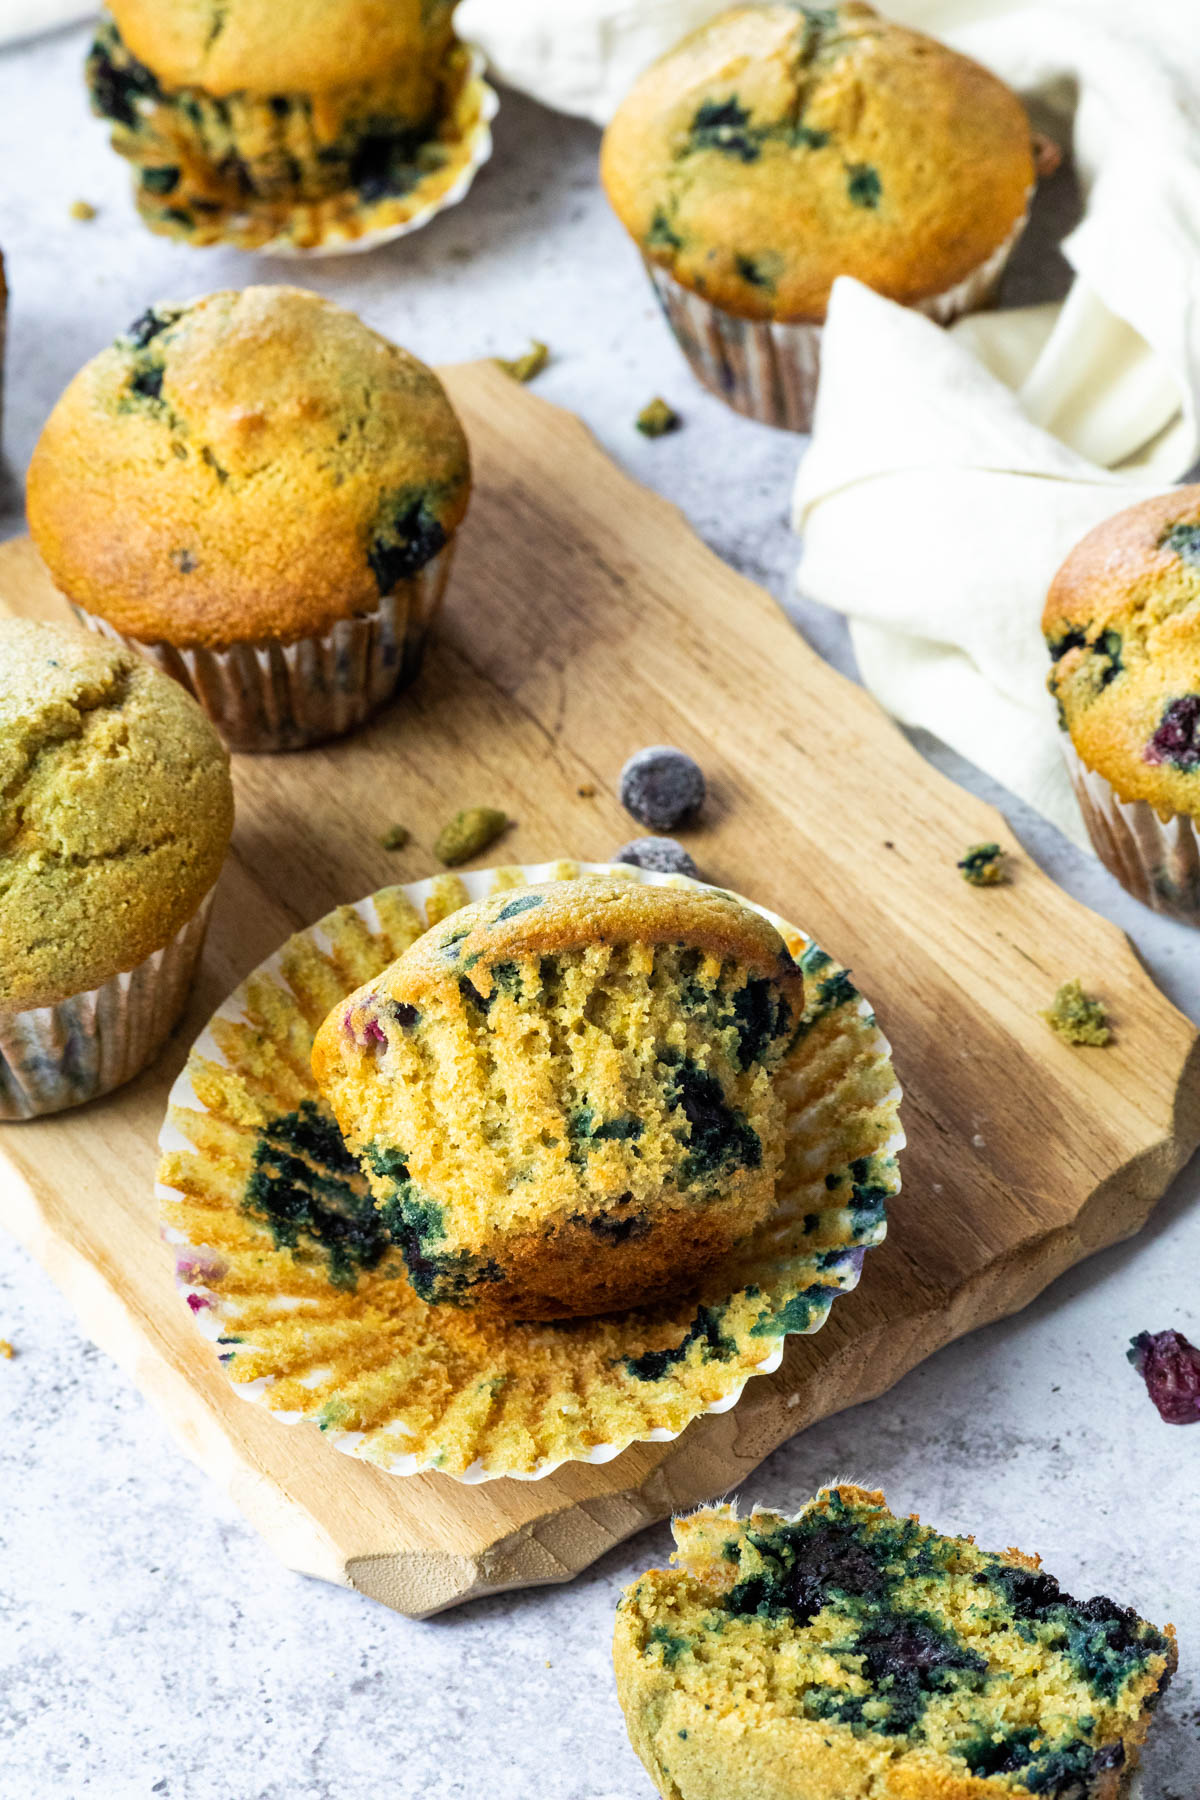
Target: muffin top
column 255, row 465
column 563, row 1096
column 232, row 46
column 1122, row 623
column 780, row 146
column 115, row 811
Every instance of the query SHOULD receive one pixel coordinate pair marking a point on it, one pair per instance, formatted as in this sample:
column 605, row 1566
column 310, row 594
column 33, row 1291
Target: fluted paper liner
column 52, row 1057
column 287, row 1268
column 340, row 223
column 769, row 369
column 274, row 696
column 1156, row 860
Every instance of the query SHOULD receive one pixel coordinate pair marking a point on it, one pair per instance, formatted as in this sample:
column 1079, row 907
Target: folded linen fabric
column 26, row 18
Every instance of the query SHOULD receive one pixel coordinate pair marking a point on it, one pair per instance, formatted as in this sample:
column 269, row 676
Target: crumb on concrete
column 1076, row 1017
column 657, row 418
column 82, row 209
column 6, row 1350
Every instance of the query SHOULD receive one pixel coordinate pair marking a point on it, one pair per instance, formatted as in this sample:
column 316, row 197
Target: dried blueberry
column 1177, row 739
column 661, row 854
column 662, row 787
column 1170, row 1367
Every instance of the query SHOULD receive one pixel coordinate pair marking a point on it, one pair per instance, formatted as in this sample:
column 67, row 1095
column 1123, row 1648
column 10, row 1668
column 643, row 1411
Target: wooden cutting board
column 584, row 621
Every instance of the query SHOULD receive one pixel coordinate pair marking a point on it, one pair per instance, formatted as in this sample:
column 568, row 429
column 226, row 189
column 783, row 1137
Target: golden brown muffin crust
column 596, row 909
column 1122, row 622
column 245, row 473
column 115, row 811
column 230, row 46
column 780, row 146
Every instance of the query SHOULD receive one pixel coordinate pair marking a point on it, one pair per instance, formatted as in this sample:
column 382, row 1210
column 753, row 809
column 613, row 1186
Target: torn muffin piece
column 849, row 1652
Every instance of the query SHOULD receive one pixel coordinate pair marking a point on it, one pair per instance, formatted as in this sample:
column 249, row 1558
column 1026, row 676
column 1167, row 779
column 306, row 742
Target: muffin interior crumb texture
column 564, row 1098
column 846, row 1652
column 1076, row 1017
column 115, row 811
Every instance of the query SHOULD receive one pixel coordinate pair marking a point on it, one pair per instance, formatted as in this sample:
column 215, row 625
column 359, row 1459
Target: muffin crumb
column 984, row 865
column 656, row 419
column 469, row 832
column 6, row 1350
column 82, row 210
column 527, row 367
column 396, row 837
column 1077, row 1017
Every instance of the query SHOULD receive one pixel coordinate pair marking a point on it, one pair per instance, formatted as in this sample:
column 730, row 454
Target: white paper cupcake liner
column 273, row 696
column 314, row 1334
column 1156, row 860
column 52, row 1057
column 769, row 369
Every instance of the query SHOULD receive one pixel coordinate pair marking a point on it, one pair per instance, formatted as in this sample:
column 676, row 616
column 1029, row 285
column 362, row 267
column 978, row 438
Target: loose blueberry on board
column 661, row 787
column 662, row 855
column 1170, row 1367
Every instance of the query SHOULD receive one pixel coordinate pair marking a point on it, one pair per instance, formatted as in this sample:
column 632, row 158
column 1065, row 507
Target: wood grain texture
column 585, row 620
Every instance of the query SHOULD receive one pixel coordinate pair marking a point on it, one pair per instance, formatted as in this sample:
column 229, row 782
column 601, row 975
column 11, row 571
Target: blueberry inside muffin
column 849, row 1652
column 564, row 1098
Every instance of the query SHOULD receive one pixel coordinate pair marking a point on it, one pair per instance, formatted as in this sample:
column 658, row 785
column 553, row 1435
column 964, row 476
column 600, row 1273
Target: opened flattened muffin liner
column 53, row 1057
column 1156, row 860
column 769, row 369
column 314, row 1326
column 274, row 696
column 338, row 224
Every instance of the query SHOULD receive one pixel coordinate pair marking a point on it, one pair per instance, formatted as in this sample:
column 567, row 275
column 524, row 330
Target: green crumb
column 82, row 210
column 1077, row 1018
column 469, row 832
column 655, row 420
column 525, row 368
column 395, row 837
column 984, row 865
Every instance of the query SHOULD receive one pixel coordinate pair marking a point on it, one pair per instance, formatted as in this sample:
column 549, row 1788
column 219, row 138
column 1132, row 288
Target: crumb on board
column 984, row 865
column 82, row 209
column 657, row 418
column 395, row 837
column 469, row 832
column 6, row 1350
column 586, row 790
column 525, row 368
column 1077, row 1017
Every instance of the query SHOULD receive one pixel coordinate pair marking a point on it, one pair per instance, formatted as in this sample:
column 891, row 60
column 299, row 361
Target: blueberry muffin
column 115, row 814
column 564, row 1098
column 1122, row 624
column 261, row 493
column 345, row 119
column 780, row 146
column 847, row 1653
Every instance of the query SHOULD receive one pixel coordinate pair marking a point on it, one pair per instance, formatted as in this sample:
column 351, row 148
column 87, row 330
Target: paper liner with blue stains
column 288, row 1268
column 445, row 168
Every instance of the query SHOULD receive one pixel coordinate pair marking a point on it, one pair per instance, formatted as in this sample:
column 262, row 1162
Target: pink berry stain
column 1170, row 1367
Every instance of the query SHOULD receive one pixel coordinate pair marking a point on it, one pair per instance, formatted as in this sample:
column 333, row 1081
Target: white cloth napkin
column 25, row 18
